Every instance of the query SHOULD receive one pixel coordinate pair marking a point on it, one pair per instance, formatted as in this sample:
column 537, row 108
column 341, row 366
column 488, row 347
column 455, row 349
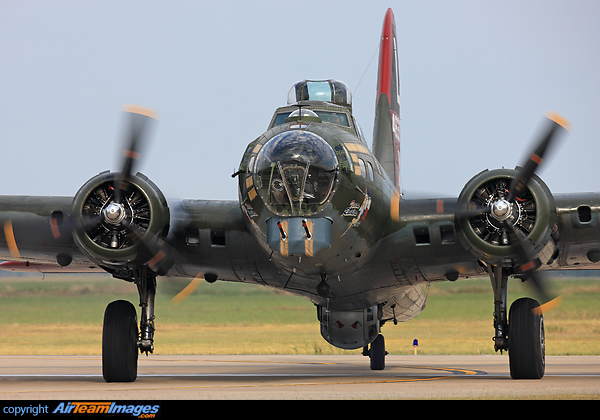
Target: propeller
column 115, row 216
column 500, row 209
column 109, row 201
column 114, row 212
column 522, row 247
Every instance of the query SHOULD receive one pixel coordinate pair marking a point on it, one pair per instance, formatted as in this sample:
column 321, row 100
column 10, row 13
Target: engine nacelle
column 533, row 215
column 119, row 230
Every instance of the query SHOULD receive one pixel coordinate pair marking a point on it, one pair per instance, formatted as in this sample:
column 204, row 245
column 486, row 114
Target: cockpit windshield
column 339, row 118
column 296, row 172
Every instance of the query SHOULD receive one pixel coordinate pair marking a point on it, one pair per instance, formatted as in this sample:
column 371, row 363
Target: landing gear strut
column 499, row 277
column 120, row 337
column 145, row 280
column 521, row 333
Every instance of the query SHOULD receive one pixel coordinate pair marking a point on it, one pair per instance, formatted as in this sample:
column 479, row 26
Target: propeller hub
column 501, row 210
column 114, row 213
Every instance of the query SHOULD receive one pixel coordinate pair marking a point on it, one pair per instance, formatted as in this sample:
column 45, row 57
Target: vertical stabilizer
column 386, row 129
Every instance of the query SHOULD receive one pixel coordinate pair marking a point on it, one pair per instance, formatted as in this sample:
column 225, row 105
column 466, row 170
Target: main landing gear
column 121, row 339
column 521, row 333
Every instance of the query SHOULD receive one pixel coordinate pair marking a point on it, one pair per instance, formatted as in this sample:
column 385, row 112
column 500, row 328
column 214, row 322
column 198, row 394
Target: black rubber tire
column 526, row 340
column 377, row 353
column 119, row 342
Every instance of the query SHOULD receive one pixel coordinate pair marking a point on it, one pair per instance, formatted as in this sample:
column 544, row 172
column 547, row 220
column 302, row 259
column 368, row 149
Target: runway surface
column 294, row 377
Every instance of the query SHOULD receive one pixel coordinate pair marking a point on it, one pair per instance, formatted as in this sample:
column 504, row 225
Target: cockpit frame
column 326, row 113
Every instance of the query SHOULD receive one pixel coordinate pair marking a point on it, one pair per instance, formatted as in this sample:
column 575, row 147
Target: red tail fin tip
column 386, row 131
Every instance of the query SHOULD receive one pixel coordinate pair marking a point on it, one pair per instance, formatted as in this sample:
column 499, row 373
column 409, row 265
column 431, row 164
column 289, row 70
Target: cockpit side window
column 359, row 131
column 280, row 118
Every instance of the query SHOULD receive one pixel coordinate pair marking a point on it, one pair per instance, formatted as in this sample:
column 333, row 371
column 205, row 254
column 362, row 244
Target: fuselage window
column 363, row 168
column 369, row 171
column 251, row 164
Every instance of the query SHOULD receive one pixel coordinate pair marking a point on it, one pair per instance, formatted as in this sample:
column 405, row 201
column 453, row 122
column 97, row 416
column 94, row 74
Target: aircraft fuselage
column 314, row 220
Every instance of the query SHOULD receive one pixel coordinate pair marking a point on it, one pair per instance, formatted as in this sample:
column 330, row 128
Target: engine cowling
column 120, row 230
column 532, row 214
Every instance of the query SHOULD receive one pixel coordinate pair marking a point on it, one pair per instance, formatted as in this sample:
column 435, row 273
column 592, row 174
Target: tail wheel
column 526, row 346
column 119, row 342
column 377, row 353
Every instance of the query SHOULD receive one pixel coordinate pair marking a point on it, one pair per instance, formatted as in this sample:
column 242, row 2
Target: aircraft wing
column 31, row 239
column 579, row 231
column 433, row 243
column 205, row 237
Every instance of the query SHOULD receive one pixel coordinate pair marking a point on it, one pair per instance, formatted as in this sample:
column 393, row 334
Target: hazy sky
column 476, row 80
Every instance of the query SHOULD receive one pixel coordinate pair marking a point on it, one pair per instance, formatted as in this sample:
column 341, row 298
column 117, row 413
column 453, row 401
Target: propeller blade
column 159, row 251
column 139, row 118
column 68, row 227
column 188, row 290
column 461, row 210
column 11, row 242
column 519, row 184
column 528, row 266
column 548, row 306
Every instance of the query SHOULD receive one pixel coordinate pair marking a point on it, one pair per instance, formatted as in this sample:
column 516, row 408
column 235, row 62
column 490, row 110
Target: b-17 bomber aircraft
column 320, row 215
